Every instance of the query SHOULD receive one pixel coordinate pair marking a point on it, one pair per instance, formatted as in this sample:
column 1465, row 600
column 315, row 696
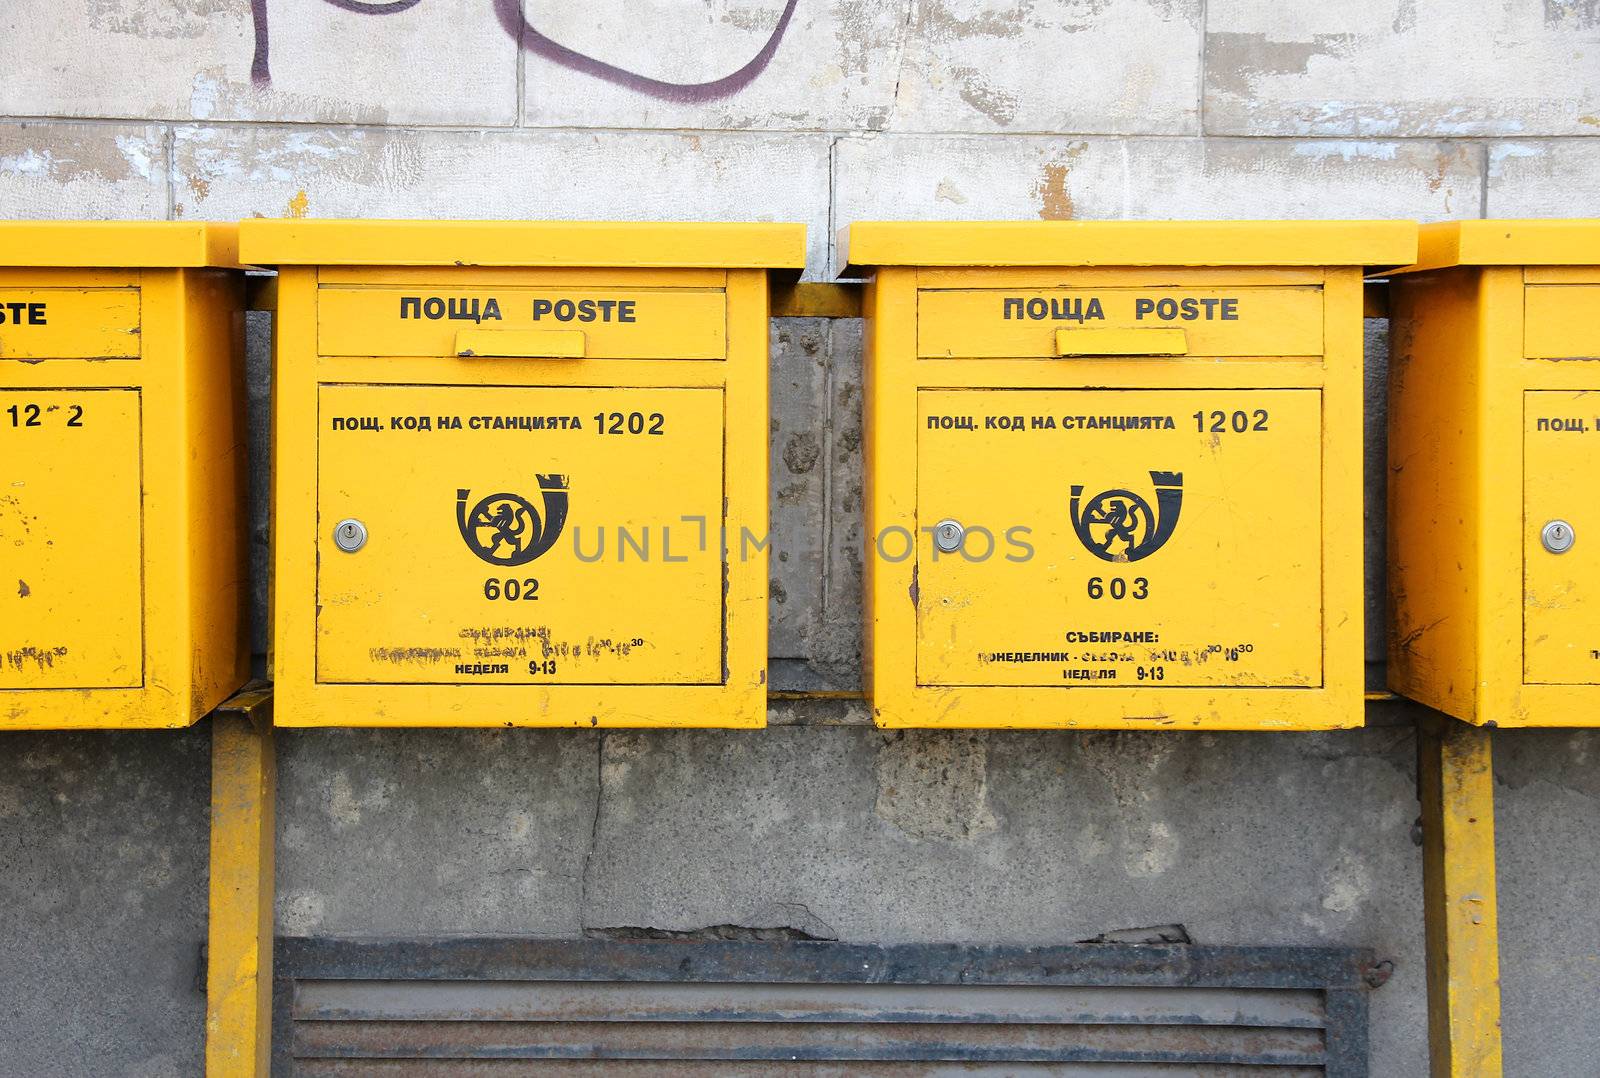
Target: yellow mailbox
column 1494, row 445
column 520, row 471
column 122, row 530
column 1114, row 472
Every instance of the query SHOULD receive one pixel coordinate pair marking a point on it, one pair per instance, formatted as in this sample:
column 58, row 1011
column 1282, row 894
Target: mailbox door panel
column 529, row 535
column 1156, row 537
column 1561, row 638
column 71, row 574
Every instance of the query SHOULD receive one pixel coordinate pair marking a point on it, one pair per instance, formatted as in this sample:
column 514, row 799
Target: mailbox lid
column 1167, row 538
column 1444, row 244
column 664, row 245
column 1127, row 243
column 1561, row 600
column 71, row 534
column 556, row 536
column 121, row 244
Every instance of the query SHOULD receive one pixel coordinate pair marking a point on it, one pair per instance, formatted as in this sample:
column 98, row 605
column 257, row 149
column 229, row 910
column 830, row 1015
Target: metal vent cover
column 512, row 1007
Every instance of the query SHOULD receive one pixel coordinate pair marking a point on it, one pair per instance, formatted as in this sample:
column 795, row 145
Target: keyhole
column 350, row 535
column 1557, row 536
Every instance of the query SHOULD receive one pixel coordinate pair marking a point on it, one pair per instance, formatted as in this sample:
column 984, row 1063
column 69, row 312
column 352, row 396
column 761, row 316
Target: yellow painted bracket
column 1460, row 909
column 1375, row 299
column 815, row 300
column 239, row 949
column 261, row 292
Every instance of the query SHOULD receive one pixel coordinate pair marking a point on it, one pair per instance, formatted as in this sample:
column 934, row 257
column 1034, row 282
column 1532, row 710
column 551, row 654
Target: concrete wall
column 1053, row 109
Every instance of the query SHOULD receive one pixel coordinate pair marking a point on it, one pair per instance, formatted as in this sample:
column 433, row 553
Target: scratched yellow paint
column 1149, row 435
column 1494, row 409
column 70, row 599
column 485, row 483
column 1460, row 899
column 81, row 323
column 122, row 566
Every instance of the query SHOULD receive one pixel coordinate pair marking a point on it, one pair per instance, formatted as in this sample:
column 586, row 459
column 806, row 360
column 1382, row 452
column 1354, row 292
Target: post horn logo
column 506, row 529
column 1119, row 525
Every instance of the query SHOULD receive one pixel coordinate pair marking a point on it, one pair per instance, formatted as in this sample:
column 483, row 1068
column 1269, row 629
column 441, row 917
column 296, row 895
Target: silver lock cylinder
column 947, row 536
column 350, row 535
column 1557, row 536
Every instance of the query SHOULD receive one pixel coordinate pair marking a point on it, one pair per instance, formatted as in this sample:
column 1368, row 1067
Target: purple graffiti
column 509, row 14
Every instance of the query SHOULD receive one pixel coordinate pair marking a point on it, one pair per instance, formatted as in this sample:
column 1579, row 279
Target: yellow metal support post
column 239, row 954
column 820, row 300
column 1458, row 878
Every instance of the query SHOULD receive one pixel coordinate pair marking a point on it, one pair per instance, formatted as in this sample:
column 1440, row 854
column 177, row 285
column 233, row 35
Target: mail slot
column 1115, row 472
column 1494, row 445
column 123, row 574
column 520, row 471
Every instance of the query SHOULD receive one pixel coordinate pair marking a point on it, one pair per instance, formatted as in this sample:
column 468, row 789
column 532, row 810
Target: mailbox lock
column 350, row 535
column 947, row 536
column 1557, row 537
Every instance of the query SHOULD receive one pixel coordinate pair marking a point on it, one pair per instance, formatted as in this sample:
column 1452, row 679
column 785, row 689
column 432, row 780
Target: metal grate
column 512, row 1007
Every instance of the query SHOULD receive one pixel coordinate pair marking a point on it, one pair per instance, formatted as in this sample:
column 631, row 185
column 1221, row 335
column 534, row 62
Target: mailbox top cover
column 1507, row 243
column 573, row 244
column 118, row 244
column 1126, row 243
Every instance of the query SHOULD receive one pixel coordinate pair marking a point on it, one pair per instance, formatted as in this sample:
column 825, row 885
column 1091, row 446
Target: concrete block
column 275, row 172
column 833, row 64
column 99, row 171
column 104, row 844
column 1308, row 179
column 419, row 832
column 798, row 466
column 968, row 836
column 1385, row 68
column 1554, row 178
column 1547, row 812
column 911, row 177
column 443, row 62
column 1130, row 67
column 964, row 178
